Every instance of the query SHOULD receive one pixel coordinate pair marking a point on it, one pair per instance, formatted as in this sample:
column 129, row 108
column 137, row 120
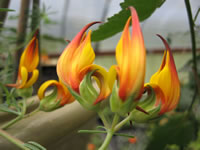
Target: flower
column 59, row 97
column 132, row 140
column 75, row 63
column 166, row 82
column 163, row 90
column 131, row 58
column 27, row 71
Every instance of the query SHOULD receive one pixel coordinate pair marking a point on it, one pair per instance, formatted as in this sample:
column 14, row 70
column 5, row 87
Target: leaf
column 34, row 146
column 4, row 108
column 6, row 9
column 179, row 130
column 99, row 131
column 116, row 23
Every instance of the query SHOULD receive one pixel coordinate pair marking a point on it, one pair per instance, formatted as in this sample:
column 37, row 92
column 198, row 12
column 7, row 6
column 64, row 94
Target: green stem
column 13, row 140
column 107, row 140
column 123, row 122
column 191, row 24
column 23, row 111
column 115, row 120
column 33, row 112
column 105, row 122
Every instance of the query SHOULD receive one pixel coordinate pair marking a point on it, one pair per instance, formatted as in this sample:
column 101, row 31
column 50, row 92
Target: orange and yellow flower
column 77, row 60
column 59, row 97
column 165, row 82
column 131, row 59
column 27, row 71
column 130, row 68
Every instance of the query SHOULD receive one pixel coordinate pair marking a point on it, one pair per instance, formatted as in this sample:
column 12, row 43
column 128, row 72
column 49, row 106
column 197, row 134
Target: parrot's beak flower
column 27, row 71
column 163, row 90
column 131, row 60
column 76, row 62
column 59, row 97
column 166, row 78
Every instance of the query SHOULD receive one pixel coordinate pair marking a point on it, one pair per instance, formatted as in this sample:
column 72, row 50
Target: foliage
column 116, row 23
column 179, row 130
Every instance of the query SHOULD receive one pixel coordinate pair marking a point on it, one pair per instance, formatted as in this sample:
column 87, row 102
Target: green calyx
column 148, row 105
column 88, row 94
column 50, row 102
column 25, row 93
column 118, row 105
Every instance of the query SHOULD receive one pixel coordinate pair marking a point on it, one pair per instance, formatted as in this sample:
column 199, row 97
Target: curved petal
column 32, row 79
column 112, row 76
column 167, row 79
column 62, row 93
column 44, row 86
column 77, row 55
column 160, row 98
column 101, row 75
column 30, row 56
column 22, row 77
column 131, row 58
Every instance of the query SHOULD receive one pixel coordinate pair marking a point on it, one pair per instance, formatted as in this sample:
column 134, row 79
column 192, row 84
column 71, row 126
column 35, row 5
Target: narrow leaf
column 6, row 9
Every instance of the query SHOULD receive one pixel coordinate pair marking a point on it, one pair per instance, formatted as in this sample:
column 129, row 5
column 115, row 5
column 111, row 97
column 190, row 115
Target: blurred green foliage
column 116, row 23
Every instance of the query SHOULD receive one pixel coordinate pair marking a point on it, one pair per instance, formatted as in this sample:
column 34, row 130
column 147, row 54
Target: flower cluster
column 124, row 82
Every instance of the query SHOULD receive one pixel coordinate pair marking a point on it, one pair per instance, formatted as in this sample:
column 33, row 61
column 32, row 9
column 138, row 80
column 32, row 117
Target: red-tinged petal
column 77, row 55
column 62, row 93
column 131, row 57
column 30, row 56
column 167, row 79
column 101, row 75
column 160, row 98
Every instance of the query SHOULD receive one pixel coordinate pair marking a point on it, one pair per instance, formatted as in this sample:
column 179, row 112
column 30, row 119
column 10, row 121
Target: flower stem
column 115, row 120
column 105, row 122
column 192, row 33
column 23, row 111
column 123, row 122
column 107, row 140
column 13, row 140
column 33, row 112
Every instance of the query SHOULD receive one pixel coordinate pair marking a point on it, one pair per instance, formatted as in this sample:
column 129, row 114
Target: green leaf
column 99, row 131
column 34, row 146
column 179, row 130
column 4, row 108
column 6, row 9
column 116, row 23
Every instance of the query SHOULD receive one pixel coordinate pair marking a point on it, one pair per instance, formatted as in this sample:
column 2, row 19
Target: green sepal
column 88, row 93
column 148, row 105
column 118, row 105
column 50, row 102
column 25, row 93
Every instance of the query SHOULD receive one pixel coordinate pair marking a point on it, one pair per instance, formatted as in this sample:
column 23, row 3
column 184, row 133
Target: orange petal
column 77, row 55
column 131, row 58
column 167, row 79
column 30, row 56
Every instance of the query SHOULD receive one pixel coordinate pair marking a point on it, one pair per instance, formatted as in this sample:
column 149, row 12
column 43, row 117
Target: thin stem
column 23, row 111
column 123, row 122
column 195, row 18
column 13, row 140
column 33, row 112
column 115, row 120
column 107, row 140
column 105, row 122
column 193, row 100
column 191, row 24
